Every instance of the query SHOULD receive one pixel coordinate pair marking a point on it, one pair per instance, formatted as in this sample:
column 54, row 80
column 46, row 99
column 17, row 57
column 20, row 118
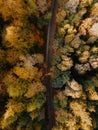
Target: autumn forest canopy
column 27, row 92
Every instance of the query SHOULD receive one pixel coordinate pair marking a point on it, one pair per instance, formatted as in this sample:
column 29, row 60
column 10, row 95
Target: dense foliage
column 23, row 28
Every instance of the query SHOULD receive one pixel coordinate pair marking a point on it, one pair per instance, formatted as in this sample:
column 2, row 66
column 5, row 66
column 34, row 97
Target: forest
column 48, row 64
